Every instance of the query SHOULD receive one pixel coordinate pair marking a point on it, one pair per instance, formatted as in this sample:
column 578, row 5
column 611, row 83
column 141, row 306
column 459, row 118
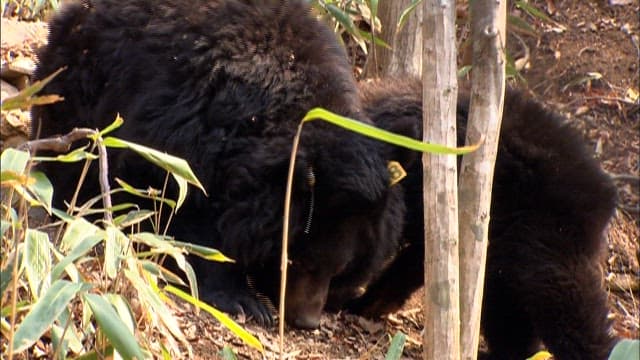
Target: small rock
column 22, row 65
column 17, row 33
column 7, row 90
column 620, row 2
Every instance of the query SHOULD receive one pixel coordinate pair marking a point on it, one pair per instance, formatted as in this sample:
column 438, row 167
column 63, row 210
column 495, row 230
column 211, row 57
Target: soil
column 583, row 64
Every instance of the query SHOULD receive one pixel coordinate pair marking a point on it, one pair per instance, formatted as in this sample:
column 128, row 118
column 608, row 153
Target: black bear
column 551, row 204
column 224, row 84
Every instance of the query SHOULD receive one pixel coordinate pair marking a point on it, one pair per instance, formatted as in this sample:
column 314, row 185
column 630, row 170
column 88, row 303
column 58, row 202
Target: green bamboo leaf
column 123, row 309
column 37, row 261
column 463, row 71
column 182, row 190
column 517, row 24
column 227, row 353
column 531, row 10
column 72, row 271
column 386, row 136
column 77, row 230
column 343, row 18
column 44, row 312
column 373, row 7
column 62, row 215
column 75, row 155
column 14, row 180
column 541, row 355
column 24, row 98
column 582, row 79
column 113, row 327
column 106, row 353
column 133, row 217
column 81, row 248
column 4, row 226
column 173, row 164
column 6, row 274
column 14, row 160
column 42, row 189
column 159, row 244
column 376, row 40
column 114, row 125
column 144, row 193
column 158, row 270
column 396, row 347
column 202, row 251
column 72, row 338
column 220, row 316
column 166, row 355
column 626, row 349
column 405, row 14
column 150, row 297
column 115, row 247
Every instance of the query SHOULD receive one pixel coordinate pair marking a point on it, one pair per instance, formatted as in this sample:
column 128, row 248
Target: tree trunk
column 440, row 91
column 488, row 22
column 405, row 55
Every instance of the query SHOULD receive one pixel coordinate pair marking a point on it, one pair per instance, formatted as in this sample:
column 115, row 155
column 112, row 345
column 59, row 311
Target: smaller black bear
column 551, row 203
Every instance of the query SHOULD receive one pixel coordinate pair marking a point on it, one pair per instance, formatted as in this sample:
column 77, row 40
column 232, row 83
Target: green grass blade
column 220, row 316
column 386, row 136
column 405, row 14
column 204, row 252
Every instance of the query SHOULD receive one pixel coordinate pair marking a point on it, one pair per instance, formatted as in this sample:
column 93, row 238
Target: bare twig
column 59, row 144
column 62, row 144
column 104, row 181
column 611, row 98
column 630, row 209
column 284, row 260
column 625, row 177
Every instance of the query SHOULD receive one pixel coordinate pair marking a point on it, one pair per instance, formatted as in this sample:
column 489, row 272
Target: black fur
column 551, row 203
column 224, row 84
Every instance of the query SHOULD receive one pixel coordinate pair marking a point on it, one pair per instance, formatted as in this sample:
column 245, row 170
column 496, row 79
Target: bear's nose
column 306, row 321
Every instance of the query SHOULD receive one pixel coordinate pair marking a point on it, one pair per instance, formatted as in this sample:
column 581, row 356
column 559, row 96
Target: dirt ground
column 585, row 65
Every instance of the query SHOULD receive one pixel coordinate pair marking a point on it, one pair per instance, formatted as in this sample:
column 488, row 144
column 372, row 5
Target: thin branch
column 284, row 260
column 624, row 177
column 59, row 144
column 62, row 144
column 104, row 181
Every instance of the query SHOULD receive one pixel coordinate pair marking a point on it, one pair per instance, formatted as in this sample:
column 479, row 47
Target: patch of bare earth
column 585, row 66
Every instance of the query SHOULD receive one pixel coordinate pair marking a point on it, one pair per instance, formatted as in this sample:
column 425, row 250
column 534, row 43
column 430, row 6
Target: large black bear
column 551, row 203
column 223, row 84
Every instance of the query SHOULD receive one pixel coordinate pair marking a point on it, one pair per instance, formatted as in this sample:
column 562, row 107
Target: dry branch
column 62, row 144
column 488, row 23
column 440, row 90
